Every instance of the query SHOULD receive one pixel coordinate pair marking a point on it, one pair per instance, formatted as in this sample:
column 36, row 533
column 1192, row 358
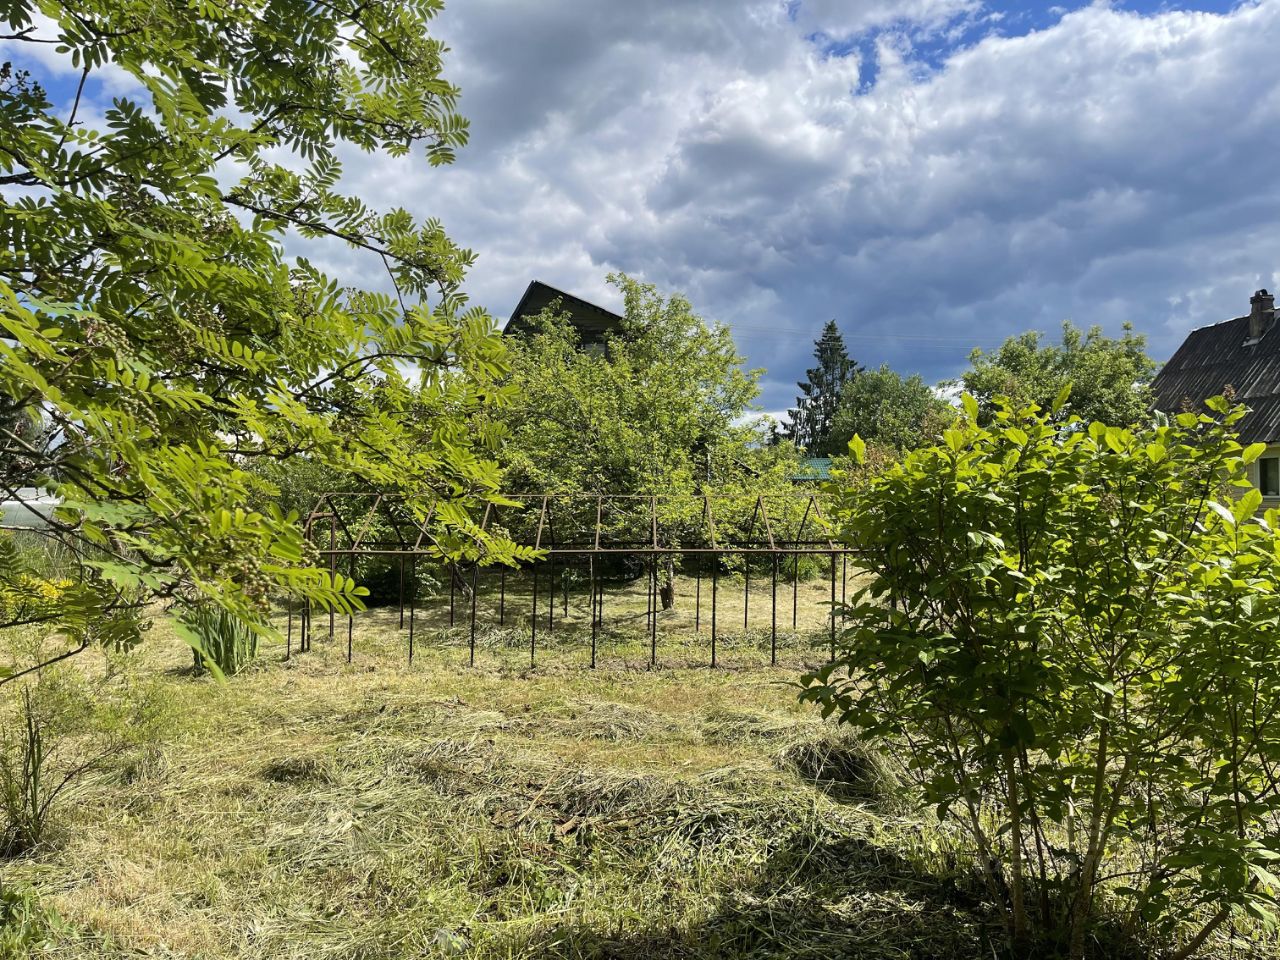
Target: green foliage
column 25, row 924
column 813, row 419
column 1069, row 630
column 661, row 411
column 39, row 585
column 883, row 407
column 227, row 643
column 1108, row 375
column 295, row 484
column 154, row 328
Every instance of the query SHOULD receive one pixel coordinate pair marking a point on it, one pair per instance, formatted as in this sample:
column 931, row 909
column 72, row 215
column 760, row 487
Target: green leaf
column 1247, row 505
column 1252, row 452
column 187, row 635
column 1265, row 876
column 1060, row 400
column 858, row 449
column 1227, row 516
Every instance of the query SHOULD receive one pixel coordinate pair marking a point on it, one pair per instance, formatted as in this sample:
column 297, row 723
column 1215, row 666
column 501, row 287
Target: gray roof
column 32, row 510
column 1215, row 357
column 591, row 321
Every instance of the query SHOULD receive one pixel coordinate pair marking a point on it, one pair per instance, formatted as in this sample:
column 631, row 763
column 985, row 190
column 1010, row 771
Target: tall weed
column 229, row 643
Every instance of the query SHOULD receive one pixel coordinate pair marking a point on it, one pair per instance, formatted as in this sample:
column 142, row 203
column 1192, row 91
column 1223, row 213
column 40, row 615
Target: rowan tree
column 153, row 324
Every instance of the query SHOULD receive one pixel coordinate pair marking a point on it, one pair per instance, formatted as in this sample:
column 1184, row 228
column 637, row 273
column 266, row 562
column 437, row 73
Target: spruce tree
column 815, row 409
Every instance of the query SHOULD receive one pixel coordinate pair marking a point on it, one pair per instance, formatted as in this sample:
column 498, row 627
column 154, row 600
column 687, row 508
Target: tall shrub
column 1070, row 631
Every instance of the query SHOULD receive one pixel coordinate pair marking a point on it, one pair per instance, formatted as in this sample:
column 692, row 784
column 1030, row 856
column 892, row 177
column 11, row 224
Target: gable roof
column 592, row 321
column 1221, row 355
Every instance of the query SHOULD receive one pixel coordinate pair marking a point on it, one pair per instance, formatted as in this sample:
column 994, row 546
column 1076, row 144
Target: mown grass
column 319, row 809
column 750, row 624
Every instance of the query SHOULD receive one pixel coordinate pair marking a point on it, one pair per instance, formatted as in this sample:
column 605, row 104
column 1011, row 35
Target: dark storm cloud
column 1110, row 166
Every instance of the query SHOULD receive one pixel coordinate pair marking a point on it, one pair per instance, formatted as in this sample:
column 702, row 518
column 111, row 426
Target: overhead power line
column 941, row 342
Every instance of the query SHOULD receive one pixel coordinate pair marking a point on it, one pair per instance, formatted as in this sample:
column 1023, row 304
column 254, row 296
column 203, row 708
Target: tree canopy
column 663, row 409
column 883, row 407
column 154, row 327
column 812, row 419
column 1108, row 375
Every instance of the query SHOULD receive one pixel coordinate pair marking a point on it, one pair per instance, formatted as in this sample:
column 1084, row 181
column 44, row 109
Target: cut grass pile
column 313, row 809
column 369, row 811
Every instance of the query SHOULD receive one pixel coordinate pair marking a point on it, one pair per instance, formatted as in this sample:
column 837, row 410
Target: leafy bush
column 1070, row 632
column 227, row 643
column 25, row 924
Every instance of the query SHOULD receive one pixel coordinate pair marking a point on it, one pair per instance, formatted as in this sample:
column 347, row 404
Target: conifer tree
column 815, row 409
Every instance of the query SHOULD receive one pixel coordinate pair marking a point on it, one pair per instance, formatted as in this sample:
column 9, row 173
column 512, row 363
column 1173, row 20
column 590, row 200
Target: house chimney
column 1262, row 309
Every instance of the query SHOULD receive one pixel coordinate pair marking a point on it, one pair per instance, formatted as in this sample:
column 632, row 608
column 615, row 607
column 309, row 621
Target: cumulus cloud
column 934, row 174
column 1110, row 166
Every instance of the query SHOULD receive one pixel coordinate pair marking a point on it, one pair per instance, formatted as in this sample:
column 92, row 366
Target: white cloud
column 1109, row 166
column 1106, row 167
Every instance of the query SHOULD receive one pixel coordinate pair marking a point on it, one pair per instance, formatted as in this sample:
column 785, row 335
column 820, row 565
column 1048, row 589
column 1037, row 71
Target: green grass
column 319, row 809
column 746, row 634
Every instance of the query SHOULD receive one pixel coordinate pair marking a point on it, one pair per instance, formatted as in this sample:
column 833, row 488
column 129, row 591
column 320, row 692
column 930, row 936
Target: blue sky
column 931, row 48
column 934, row 174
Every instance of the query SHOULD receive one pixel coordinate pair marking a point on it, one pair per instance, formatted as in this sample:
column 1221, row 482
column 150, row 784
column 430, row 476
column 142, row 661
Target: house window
column 1269, row 476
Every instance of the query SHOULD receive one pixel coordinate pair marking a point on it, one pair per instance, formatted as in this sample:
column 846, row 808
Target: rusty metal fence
column 594, row 535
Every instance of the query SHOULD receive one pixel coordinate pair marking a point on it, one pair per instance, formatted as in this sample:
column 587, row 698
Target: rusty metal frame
column 765, row 534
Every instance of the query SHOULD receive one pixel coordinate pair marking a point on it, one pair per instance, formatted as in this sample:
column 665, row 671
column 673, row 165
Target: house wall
column 1255, row 468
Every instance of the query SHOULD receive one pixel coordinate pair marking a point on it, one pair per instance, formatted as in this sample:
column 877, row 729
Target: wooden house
column 1243, row 354
column 592, row 322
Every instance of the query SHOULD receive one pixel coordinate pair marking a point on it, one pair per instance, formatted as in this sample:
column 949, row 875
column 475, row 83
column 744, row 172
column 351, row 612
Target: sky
column 935, row 175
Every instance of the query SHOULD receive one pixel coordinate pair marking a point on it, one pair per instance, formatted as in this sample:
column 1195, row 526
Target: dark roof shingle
column 1215, row 357
column 591, row 321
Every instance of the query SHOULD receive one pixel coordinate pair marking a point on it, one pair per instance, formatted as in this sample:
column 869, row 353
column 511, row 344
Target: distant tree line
column 839, row 398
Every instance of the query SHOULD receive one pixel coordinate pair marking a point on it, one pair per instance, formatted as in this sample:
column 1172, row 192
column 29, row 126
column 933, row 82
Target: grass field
column 749, row 625
column 319, row 809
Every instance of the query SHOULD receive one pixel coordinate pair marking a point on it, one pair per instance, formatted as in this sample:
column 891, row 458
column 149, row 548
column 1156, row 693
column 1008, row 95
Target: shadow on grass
column 835, row 898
